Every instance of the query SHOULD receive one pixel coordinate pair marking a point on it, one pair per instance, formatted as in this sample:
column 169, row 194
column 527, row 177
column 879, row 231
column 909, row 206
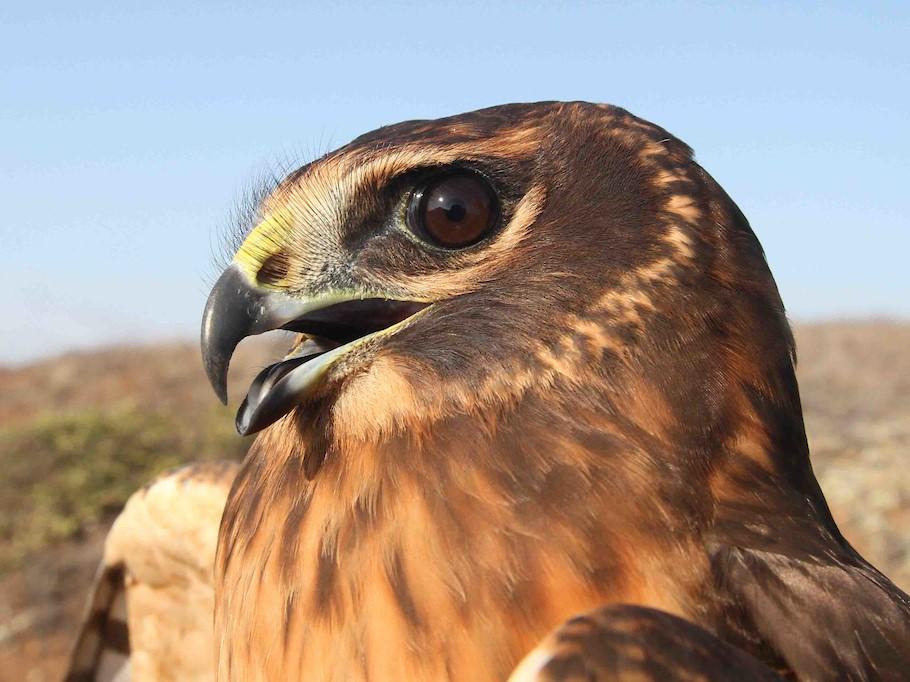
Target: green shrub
column 64, row 472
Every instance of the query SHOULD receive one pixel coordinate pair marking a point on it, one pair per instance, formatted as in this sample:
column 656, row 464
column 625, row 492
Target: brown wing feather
column 627, row 642
column 790, row 588
column 824, row 617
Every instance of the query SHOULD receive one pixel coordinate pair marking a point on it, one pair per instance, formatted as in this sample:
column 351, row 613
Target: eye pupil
column 456, row 213
column 454, row 210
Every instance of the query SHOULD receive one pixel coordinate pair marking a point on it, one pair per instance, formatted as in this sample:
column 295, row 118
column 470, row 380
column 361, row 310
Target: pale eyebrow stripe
column 326, row 190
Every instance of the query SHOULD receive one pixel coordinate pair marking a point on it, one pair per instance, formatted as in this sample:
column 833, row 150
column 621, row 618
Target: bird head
column 446, row 267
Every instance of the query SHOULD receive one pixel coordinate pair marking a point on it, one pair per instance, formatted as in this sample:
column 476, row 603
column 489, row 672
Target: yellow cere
column 265, row 240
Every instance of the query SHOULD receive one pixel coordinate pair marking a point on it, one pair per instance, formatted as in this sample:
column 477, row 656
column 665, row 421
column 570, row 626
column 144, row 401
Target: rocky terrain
column 79, row 432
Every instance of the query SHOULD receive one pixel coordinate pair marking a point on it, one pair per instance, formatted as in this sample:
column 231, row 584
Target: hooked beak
column 334, row 322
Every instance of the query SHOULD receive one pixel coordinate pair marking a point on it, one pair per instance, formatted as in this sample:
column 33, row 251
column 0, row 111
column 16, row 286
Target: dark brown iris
column 454, row 211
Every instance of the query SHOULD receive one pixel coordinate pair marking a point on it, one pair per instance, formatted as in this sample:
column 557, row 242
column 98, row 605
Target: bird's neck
column 447, row 549
column 445, row 554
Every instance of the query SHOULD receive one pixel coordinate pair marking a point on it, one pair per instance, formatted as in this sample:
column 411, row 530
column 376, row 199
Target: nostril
column 274, row 270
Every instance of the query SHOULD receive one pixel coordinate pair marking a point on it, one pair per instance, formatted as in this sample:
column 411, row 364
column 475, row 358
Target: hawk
column 540, row 421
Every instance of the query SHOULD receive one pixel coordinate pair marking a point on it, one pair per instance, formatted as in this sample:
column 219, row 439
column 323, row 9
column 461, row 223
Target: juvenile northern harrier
column 544, row 371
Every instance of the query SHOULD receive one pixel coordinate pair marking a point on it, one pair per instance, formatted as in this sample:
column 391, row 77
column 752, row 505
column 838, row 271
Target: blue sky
column 129, row 130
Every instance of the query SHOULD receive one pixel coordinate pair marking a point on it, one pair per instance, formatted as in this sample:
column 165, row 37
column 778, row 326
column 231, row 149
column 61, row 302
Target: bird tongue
column 264, row 405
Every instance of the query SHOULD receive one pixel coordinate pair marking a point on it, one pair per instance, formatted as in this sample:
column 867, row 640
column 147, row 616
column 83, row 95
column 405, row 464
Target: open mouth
column 330, row 332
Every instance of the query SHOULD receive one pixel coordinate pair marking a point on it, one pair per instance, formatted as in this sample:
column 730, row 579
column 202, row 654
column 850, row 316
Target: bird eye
column 454, row 211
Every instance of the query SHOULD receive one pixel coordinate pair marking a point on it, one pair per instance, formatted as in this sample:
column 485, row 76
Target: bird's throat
column 443, row 556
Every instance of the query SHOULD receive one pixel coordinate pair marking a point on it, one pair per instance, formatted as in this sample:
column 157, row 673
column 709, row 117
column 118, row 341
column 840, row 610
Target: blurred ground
column 80, row 432
column 855, row 386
